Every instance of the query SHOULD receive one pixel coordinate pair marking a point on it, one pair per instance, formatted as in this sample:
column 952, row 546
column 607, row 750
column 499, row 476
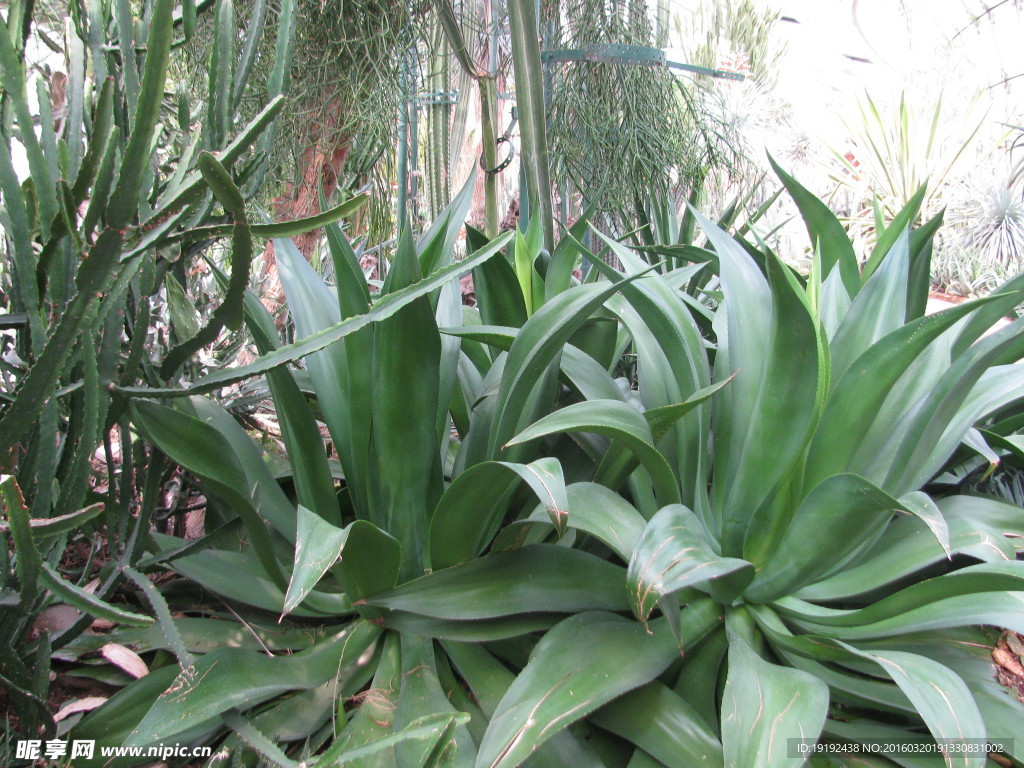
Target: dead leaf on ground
column 125, row 658
column 74, row 706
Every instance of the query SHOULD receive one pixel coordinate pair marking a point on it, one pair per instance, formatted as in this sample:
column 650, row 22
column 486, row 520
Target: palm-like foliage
column 762, row 502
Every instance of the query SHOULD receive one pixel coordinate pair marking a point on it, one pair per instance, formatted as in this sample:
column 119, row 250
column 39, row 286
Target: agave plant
column 523, row 557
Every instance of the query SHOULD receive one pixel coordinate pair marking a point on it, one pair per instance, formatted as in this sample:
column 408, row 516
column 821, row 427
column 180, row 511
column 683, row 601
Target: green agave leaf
column 846, row 510
column 86, row 601
column 474, row 631
column 304, row 444
column 877, row 310
column 342, row 390
column 673, row 553
column 370, row 562
column 574, row 669
column 239, row 576
column 616, row 420
column 435, row 248
column 766, row 415
column 977, row 527
column 421, row 696
column 317, row 547
column 921, row 244
column 110, row 724
column 672, row 368
column 985, row 577
column 375, row 718
column 968, row 390
column 199, row 635
column 580, row 370
column 437, row 730
column 663, row 724
column 619, row 463
column 203, row 448
column 603, row 514
column 563, row 259
column 469, row 513
column 859, row 395
column 406, row 398
column 764, row 705
column 1005, row 609
column 489, row 680
column 921, row 505
column 542, row 577
column 384, row 308
column 940, row 697
column 888, row 237
column 701, row 674
column 231, row 677
column 539, row 342
column 825, row 232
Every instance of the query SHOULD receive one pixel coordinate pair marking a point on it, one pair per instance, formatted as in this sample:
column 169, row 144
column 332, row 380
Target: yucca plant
column 762, row 503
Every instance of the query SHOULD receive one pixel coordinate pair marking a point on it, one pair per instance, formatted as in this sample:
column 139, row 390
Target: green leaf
column 370, row 561
column 764, row 705
column 975, row 579
column 845, row 510
column 489, row 680
column 229, row 312
column 887, row 237
column 576, row 668
column 940, row 697
column 314, row 484
column 280, row 229
column 124, row 202
column 977, row 528
column 35, row 389
column 825, row 232
column 386, row 307
column 1004, row 609
column 29, row 562
column 614, row 419
column 662, row 724
column 533, row 350
column 317, row 546
column 181, row 309
column 765, row 417
column 86, row 601
column 674, row 552
column 542, row 577
column 406, row 369
column 879, row 309
column 421, row 696
column 469, row 513
column 231, row 677
column 861, row 392
column 603, row 514
column 435, row 729
column 42, row 527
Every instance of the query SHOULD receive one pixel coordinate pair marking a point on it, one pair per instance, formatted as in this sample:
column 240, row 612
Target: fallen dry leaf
column 125, row 658
column 87, row 704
